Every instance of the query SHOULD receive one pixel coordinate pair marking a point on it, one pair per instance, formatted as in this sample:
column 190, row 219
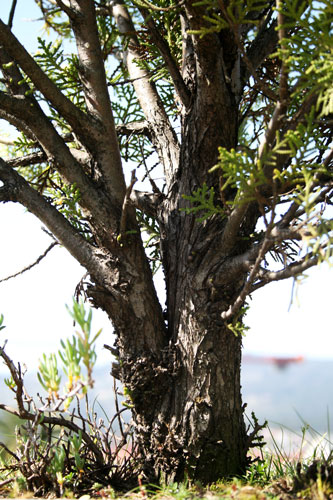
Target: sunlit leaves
column 61, row 68
column 2, row 326
column 308, row 50
column 48, row 374
column 54, row 19
column 83, row 345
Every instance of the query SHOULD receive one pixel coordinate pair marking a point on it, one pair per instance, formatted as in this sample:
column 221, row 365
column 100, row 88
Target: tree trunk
column 185, row 389
column 182, row 372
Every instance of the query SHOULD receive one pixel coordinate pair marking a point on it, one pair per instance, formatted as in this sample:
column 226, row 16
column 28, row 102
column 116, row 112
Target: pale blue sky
column 33, row 304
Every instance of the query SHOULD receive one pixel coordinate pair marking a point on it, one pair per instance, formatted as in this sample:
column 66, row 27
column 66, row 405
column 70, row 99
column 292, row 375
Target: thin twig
column 40, row 258
column 7, row 142
column 282, row 103
column 151, row 6
column 10, row 453
column 173, row 68
column 290, row 271
column 11, row 14
column 17, row 377
column 117, row 408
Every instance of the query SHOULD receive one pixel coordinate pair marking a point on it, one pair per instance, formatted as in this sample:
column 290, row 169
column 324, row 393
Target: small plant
column 62, row 446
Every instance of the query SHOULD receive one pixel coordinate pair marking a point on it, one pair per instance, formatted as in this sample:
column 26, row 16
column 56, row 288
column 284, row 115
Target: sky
column 33, row 304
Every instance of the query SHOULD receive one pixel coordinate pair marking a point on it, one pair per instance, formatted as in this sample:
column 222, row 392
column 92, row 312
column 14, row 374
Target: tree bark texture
column 185, row 390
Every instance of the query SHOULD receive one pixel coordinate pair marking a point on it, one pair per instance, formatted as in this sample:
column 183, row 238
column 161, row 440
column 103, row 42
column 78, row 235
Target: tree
column 231, row 102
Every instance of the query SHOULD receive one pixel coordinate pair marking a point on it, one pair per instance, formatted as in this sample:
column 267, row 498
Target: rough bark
column 187, row 400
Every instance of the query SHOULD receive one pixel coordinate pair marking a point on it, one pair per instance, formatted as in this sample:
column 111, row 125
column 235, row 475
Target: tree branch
column 92, row 73
column 26, row 160
column 37, row 261
column 146, row 202
column 18, row 190
column 180, row 86
column 17, row 123
column 290, row 271
column 235, row 219
column 248, row 63
column 78, row 120
column 58, row 153
column 282, row 104
column 163, row 135
column 125, row 207
column 11, row 14
column 7, row 142
column 245, row 262
column 126, row 129
column 140, row 128
column 232, row 227
column 262, row 46
column 282, row 158
column 251, row 261
column 225, row 315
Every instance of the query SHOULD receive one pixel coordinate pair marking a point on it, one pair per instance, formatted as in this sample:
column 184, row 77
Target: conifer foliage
column 224, row 109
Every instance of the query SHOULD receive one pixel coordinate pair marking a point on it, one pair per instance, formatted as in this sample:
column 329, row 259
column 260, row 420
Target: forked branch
column 163, row 136
column 74, row 116
column 17, row 189
column 180, row 86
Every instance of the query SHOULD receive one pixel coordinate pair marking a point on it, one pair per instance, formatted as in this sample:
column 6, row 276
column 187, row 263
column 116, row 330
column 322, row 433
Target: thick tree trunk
column 185, row 389
column 198, row 429
column 183, row 375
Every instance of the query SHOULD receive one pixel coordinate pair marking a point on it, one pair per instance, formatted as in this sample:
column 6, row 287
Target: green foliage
column 79, row 350
column 10, row 383
column 235, row 13
column 308, row 51
column 239, row 172
column 48, row 375
column 2, row 326
column 237, row 326
column 151, row 236
column 202, row 202
column 62, row 69
column 67, row 199
column 55, row 20
column 82, row 347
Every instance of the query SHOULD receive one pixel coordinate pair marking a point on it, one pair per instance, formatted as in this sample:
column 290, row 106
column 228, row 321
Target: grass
column 278, row 471
column 275, row 474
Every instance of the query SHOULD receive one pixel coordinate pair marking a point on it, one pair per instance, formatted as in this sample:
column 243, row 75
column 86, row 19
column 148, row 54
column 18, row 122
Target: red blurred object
column 279, row 362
